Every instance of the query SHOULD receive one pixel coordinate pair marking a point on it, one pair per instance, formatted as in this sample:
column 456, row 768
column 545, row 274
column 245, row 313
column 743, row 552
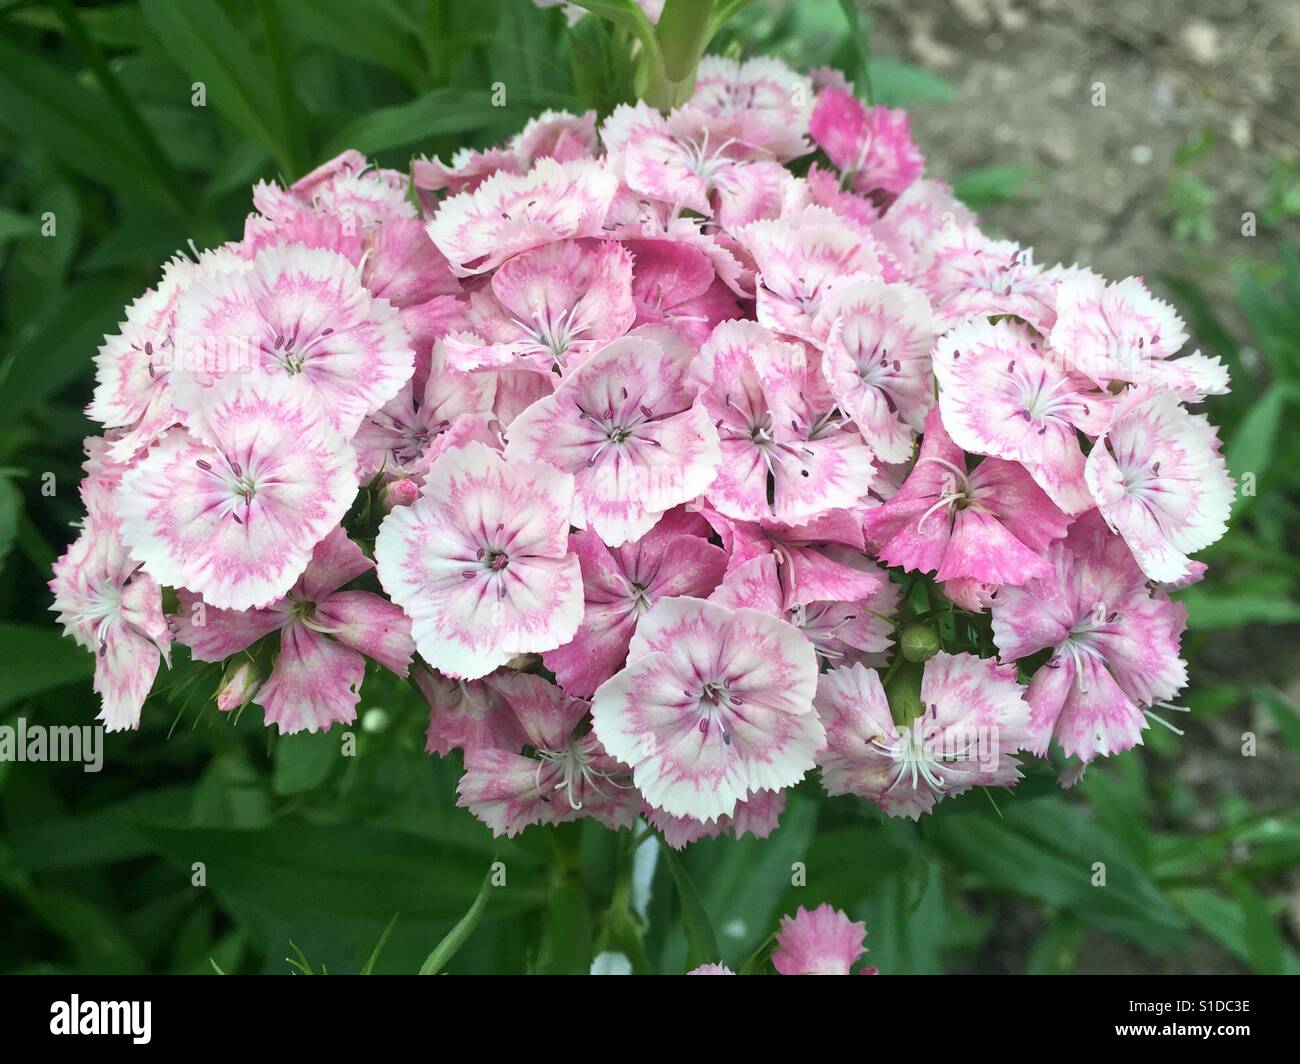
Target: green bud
column 919, row 642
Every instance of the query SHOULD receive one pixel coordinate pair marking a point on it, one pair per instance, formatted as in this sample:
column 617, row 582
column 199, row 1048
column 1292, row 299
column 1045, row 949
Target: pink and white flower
column 714, row 705
column 114, row 610
column 1121, row 332
column 877, row 362
column 233, row 512
column 785, row 453
column 1002, row 396
column 480, row 562
column 1114, row 644
column 549, row 309
column 324, row 631
column 801, row 258
column 628, row 426
column 1160, row 481
column 973, row 719
column 511, row 213
column 297, row 313
column 621, row 584
column 822, row 942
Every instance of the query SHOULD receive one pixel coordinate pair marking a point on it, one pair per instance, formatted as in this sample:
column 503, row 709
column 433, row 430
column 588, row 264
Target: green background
column 311, row 858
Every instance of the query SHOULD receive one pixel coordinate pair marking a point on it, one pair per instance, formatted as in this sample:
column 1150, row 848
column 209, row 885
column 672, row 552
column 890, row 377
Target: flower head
column 713, row 705
column 233, row 512
column 480, row 562
column 822, row 942
column 628, row 427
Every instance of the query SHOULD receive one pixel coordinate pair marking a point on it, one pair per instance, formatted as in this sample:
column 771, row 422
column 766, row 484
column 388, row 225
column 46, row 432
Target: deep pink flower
column 989, row 523
column 567, row 775
column 872, row 146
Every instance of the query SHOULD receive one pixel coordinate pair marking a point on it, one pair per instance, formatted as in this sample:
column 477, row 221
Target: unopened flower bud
column 919, row 642
column 401, row 492
column 240, row 683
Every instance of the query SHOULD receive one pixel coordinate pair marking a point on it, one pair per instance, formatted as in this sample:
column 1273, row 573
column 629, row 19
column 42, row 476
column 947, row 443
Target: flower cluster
column 671, row 457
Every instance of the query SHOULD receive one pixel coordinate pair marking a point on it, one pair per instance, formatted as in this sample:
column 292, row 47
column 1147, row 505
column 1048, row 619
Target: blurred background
column 1161, row 139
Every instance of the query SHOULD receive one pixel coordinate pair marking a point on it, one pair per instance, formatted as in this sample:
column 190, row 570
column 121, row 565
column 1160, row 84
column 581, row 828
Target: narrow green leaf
column 1284, row 713
column 47, row 106
column 445, row 950
column 436, row 113
column 369, row 967
column 206, row 45
column 701, row 942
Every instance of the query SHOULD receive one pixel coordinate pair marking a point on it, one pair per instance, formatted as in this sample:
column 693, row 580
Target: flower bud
column 919, row 642
column 904, row 693
column 241, row 682
column 401, row 492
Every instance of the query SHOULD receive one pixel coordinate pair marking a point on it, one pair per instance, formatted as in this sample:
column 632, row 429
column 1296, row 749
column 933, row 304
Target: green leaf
column 1046, row 849
column 11, row 510
column 436, row 113
column 987, row 185
column 333, row 889
column 1208, row 609
column 376, row 32
column 16, row 226
column 61, row 343
column 1233, row 928
column 206, row 45
column 859, row 36
column 1253, row 443
column 701, row 942
column 1284, row 713
column 303, row 761
column 80, row 128
column 369, row 967
column 568, row 931
column 38, row 659
column 897, row 84
column 445, row 950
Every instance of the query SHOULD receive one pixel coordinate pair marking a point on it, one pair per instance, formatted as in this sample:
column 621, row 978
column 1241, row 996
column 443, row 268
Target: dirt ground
column 1151, row 127
column 1107, row 100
